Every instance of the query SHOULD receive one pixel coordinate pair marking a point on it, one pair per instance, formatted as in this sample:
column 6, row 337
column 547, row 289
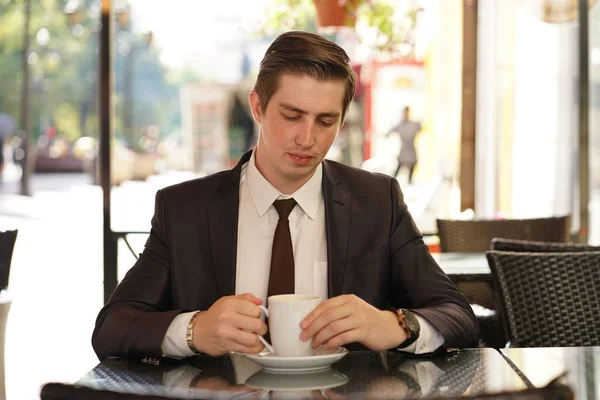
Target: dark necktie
column 281, row 278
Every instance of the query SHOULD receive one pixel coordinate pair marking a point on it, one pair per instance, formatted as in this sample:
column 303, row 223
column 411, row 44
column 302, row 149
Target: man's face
column 298, row 127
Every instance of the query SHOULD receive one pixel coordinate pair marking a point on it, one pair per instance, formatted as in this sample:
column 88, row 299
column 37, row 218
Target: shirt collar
column 263, row 194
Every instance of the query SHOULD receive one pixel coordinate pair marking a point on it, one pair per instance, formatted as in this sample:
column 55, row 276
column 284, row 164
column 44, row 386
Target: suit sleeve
column 134, row 321
column 419, row 284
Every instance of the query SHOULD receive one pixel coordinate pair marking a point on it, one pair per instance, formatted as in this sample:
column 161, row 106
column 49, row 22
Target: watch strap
column 411, row 335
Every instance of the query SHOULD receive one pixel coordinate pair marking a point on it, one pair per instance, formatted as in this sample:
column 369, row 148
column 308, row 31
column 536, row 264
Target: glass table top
column 361, row 374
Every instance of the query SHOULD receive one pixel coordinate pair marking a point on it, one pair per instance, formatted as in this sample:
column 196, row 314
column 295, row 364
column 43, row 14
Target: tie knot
column 284, row 207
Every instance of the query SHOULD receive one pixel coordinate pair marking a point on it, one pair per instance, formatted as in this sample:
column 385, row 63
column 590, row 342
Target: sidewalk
column 57, row 271
column 55, row 281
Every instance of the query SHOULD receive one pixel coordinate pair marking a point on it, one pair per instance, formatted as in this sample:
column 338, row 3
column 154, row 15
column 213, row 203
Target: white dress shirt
column 257, row 221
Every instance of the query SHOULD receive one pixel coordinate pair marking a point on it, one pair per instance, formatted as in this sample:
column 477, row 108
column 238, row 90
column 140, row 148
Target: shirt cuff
column 428, row 341
column 174, row 343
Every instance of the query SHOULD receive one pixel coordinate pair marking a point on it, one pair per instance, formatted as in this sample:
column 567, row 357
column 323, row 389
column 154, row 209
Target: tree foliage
column 64, row 72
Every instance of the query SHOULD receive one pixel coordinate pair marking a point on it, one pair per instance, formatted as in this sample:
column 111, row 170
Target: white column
column 545, row 117
column 487, row 137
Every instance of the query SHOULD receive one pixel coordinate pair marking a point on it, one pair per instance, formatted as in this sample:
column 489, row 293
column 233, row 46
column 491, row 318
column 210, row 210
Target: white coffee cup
column 285, row 313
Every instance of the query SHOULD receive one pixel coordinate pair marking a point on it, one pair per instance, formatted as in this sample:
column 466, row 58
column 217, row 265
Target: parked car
column 56, row 155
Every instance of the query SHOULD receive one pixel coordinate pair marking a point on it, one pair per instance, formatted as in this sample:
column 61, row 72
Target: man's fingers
column 251, row 324
column 243, row 306
column 325, row 394
column 344, row 338
column 241, row 338
column 333, row 329
column 325, row 318
column 240, row 348
column 256, row 349
column 314, row 314
column 330, row 394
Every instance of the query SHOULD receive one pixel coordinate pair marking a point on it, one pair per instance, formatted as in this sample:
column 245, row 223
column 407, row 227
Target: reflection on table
column 541, row 365
column 358, row 375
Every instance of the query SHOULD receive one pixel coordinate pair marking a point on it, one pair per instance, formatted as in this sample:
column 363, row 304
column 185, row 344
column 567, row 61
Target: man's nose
column 306, row 135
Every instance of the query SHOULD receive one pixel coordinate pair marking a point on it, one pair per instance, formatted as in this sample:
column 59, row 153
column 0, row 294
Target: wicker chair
column 474, row 236
column 526, row 246
column 7, row 244
column 548, row 299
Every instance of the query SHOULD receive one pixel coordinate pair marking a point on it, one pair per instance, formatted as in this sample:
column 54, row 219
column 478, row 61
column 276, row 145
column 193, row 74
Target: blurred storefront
column 430, row 83
column 205, row 117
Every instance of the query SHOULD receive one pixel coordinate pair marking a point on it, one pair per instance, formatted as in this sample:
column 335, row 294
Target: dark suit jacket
column 374, row 250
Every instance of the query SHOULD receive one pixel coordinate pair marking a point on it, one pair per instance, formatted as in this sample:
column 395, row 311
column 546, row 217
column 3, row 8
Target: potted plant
column 336, row 13
column 392, row 31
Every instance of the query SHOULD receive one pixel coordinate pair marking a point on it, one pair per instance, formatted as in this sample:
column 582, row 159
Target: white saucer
column 320, row 380
column 320, row 361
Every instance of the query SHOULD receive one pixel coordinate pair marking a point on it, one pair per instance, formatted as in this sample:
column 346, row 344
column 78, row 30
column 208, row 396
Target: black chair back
column 548, row 299
column 7, row 244
column 527, row 246
column 474, row 236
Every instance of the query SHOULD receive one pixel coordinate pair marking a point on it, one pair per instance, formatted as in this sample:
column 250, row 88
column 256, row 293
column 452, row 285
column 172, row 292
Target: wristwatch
column 409, row 322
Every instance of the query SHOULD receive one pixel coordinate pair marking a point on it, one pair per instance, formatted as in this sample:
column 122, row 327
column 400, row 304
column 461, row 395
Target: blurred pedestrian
column 1, row 157
column 407, row 130
column 7, row 127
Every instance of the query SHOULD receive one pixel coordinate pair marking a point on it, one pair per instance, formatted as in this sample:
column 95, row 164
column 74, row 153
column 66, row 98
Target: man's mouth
column 300, row 155
column 300, row 158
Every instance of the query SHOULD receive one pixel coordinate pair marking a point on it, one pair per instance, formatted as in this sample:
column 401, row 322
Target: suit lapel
column 223, row 228
column 337, row 225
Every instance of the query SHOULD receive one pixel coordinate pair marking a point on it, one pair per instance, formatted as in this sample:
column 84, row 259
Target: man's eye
column 289, row 118
column 327, row 123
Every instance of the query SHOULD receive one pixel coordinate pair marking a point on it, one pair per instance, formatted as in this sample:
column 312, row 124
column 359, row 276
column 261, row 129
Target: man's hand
column 324, row 394
column 387, row 387
column 346, row 319
column 231, row 324
column 219, row 384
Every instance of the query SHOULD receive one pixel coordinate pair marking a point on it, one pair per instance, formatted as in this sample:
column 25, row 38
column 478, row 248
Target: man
column 407, row 130
column 7, row 127
column 207, row 263
column 1, row 157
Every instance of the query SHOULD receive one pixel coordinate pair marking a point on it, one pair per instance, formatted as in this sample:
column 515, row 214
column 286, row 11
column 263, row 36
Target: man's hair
column 303, row 53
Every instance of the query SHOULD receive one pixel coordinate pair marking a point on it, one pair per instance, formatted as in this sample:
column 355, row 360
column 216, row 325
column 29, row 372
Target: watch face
column 411, row 321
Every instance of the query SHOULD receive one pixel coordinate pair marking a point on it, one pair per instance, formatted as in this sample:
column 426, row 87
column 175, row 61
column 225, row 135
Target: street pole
column 105, row 110
column 584, row 110
column 25, row 120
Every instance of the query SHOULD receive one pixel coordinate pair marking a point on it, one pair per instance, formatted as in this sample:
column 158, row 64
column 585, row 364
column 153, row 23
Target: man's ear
column 255, row 106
